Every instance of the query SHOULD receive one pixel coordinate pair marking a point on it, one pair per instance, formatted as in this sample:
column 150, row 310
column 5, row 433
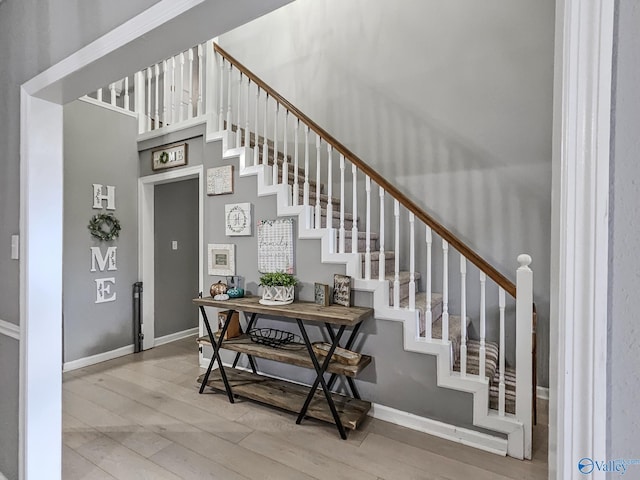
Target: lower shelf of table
column 290, row 396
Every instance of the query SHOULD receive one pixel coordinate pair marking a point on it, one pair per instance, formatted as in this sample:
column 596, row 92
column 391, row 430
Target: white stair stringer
column 441, row 349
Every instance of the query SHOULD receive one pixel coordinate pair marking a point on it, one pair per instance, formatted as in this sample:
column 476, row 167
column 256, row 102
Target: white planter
column 278, row 295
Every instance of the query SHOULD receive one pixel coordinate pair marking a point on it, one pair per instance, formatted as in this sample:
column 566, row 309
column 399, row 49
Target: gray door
column 176, row 256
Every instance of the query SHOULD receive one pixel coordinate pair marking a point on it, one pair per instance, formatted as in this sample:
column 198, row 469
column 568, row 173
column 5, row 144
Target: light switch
column 15, row 247
column 174, row 245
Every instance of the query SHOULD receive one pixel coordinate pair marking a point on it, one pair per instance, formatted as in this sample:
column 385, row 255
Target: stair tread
column 473, row 358
column 375, row 255
column 421, row 301
column 404, row 277
column 361, row 236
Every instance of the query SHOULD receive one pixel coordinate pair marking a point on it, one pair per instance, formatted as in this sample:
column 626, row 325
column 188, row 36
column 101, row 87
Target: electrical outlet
column 174, row 245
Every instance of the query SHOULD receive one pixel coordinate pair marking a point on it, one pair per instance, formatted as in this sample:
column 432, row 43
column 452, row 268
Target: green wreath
column 104, row 226
column 164, row 157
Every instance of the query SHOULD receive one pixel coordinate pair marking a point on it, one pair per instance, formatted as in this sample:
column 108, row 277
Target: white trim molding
column 108, row 106
column 176, row 336
column 580, row 193
column 146, row 230
column 10, row 330
column 98, row 358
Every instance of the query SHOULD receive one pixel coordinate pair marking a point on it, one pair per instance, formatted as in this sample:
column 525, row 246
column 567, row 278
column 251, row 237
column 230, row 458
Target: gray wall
column 99, row 147
column 34, row 34
column 176, row 271
column 624, row 241
column 450, row 101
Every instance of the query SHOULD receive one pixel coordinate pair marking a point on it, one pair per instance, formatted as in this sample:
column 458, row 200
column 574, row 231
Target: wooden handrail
column 444, row 233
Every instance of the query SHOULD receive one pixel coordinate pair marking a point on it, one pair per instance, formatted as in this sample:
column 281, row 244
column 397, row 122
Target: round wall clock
column 237, row 219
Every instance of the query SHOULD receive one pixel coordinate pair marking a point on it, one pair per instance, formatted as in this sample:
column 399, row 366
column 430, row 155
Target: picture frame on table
column 321, row 294
column 342, row 290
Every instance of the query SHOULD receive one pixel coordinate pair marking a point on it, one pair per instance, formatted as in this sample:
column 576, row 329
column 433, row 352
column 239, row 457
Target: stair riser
column 436, row 313
column 323, row 200
column 389, row 266
column 404, row 291
column 335, row 223
column 362, row 245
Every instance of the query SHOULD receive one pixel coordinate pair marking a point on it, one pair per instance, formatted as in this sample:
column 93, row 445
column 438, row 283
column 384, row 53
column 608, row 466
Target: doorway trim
column 146, row 246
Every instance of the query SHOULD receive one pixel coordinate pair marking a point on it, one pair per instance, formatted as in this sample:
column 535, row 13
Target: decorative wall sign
column 237, row 219
column 99, row 196
column 342, row 290
column 321, row 294
column 275, row 246
column 168, row 157
column 104, row 226
column 220, row 180
column 221, row 259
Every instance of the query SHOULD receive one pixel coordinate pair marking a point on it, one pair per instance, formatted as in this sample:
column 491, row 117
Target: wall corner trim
column 10, row 330
column 99, row 358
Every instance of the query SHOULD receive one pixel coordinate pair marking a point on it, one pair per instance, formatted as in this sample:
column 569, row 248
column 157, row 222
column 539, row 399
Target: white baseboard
column 10, row 330
column 447, row 431
column 175, row 336
column 542, row 393
column 99, row 358
column 471, row 438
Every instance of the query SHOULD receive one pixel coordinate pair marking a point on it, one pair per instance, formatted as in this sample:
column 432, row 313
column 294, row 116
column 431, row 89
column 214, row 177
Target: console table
column 345, row 411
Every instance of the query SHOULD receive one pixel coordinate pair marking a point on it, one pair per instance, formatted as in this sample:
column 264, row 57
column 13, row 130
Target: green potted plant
column 278, row 288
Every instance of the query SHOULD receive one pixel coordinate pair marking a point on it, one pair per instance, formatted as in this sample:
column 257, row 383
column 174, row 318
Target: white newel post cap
column 524, row 260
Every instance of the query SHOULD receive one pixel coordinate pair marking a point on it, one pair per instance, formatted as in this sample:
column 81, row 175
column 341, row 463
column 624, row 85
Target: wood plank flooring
column 141, row 417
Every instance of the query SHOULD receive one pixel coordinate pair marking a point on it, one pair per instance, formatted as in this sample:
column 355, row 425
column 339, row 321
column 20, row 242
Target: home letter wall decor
column 105, row 287
column 99, row 196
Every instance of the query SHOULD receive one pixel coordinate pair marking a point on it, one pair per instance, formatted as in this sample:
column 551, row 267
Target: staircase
column 353, row 212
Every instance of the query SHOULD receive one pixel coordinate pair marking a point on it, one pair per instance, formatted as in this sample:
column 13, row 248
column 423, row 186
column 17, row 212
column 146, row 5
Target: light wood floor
column 141, row 417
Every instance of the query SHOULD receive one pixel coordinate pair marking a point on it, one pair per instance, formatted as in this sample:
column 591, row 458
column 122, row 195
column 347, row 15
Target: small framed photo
column 221, row 259
column 321, row 294
column 169, row 156
column 342, row 290
column 220, row 180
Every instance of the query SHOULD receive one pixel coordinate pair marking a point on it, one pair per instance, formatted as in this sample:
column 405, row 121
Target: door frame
column 146, row 244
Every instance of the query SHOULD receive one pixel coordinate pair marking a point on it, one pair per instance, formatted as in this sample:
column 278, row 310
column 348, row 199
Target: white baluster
column 275, row 144
column 367, row 248
column 501, row 390
column 256, row 141
column 199, row 106
column 221, row 113
column 189, row 89
column 305, row 198
column 149, row 75
column 229, row 92
column 181, row 109
column 341, row 232
column 238, row 120
column 156, row 113
column 285, row 160
column 112, row 94
column 354, row 223
column 445, row 291
column 127, row 101
column 296, row 186
column 381, row 255
column 165, row 93
column 463, row 314
column 99, row 94
column 412, row 261
column 483, row 327
column 173, row 90
column 329, row 213
column 396, row 279
column 318, row 210
column 428, row 317
column 265, row 145
column 247, row 127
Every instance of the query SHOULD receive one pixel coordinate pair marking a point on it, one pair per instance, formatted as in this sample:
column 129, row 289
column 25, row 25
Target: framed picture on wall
column 237, row 219
column 220, row 180
column 169, row 156
column 221, row 259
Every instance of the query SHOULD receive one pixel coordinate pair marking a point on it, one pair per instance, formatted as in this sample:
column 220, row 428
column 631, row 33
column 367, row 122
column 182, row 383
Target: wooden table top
column 334, row 314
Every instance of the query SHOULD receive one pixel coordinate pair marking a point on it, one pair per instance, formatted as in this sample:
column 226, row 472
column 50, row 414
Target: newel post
column 140, row 106
column 524, row 363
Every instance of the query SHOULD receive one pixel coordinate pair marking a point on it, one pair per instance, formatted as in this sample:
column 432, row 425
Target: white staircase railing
column 176, row 91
